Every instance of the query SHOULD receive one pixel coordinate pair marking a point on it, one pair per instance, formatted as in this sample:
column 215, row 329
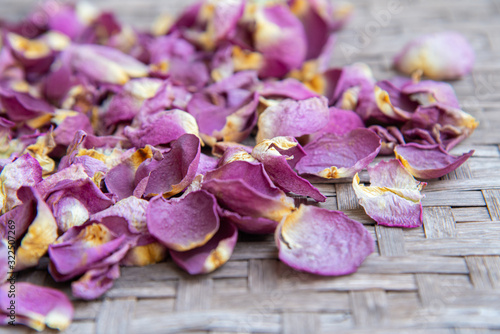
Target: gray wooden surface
column 441, row 278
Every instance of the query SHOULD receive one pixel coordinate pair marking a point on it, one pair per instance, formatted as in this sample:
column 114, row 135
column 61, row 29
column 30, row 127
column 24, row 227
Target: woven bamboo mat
column 441, row 278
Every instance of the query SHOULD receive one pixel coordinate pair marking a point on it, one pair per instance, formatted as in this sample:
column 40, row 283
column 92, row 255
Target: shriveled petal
column 293, row 118
column 95, row 282
column 390, row 137
column 428, row 162
column 332, row 157
column 429, row 92
column 37, row 306
column 21, row 106
column 186, row 223
column 287, row 88
column 212, row 255
column 246, row 189
column 278, row 169
column 40, row 151
column 393, row 198
column 322, row 241
column 443, row 55
column 69, row 122
column 24, row 171
column 177, row 169
column 41, row 233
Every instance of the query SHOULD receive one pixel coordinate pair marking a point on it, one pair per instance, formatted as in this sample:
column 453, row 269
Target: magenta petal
column 341, row 122
column 429, row 92
column 428, row 162
column 95, row 282
column 331, row 156
column 287, row 88
column 177, row 169
column 246, row 189
column 390, row 137
column 293, row 118
column 212, row 255
column 21, row 106
column 322, row 241
column 278, row 169
column 443, row 55
column 393, row 197
column 65, row 131
column 177, row 224
column 37, row 306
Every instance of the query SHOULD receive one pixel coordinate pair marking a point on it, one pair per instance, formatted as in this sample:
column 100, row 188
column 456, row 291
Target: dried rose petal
column 293, row 118
column 246, row 189
column 37, row 306
column 176, row 223
column 95, row 282
column 429, row 92
column 393, row 197
column 68, row 123
column 24, row 171
column 287, row 88
column 322, row 241
column 249, row 224
column 332, row 157
column 428, row 162
column 21, row 106
column 41, row 233
column 175, row 171
column 212, row 255
column 273, row 154
column 444, row 55
column 390, row 137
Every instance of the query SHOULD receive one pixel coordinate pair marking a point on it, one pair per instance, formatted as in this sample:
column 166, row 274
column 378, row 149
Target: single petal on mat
column 440, row 56
column 393, row 197
column 212, row 255
column 37, row 306
column 332, row 157
column 185, row 223
column 428, row 161
column 322, row 242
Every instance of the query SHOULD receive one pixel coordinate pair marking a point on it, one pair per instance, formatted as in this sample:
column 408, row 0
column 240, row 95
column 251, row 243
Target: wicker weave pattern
column 441, row 278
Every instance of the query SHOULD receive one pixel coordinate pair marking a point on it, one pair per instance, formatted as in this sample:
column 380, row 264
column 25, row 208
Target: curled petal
column 177, row 224
column 393, row 197
column 68, row 123
column 95, row 282
column 162, row 128
column 332, row 157
column 322, row 242
column 212, row 255
column 428, row 162
column 389, row 136
column 21, row 106
column 246, row 189
column 41, row 233
column 287, row 88
column 278, row 169
column 293, row 118
column 428, row 92
column 176, row 170
column 131, row 209
column 37, row 306
column 444, row 55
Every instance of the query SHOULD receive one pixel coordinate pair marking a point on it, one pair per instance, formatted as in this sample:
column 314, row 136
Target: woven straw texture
column 441, row 278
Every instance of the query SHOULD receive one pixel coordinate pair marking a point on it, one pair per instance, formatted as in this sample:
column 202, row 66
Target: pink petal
column 212, row 255
column 428, row 162
column 176, row 223
column 393, row 198
column 322, row 242
column 331, row 156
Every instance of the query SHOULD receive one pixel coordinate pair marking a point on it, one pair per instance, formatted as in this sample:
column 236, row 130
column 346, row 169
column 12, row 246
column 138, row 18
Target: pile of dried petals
column 105, row 136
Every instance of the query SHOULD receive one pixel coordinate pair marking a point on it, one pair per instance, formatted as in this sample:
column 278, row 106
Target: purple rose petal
column 331, row 156
column 322, row 242
column 212, row 255
column 278, row 169
column 37, row 306
column 176, row 223
column 440, row 56
column 428, row 162
column 393, row 197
